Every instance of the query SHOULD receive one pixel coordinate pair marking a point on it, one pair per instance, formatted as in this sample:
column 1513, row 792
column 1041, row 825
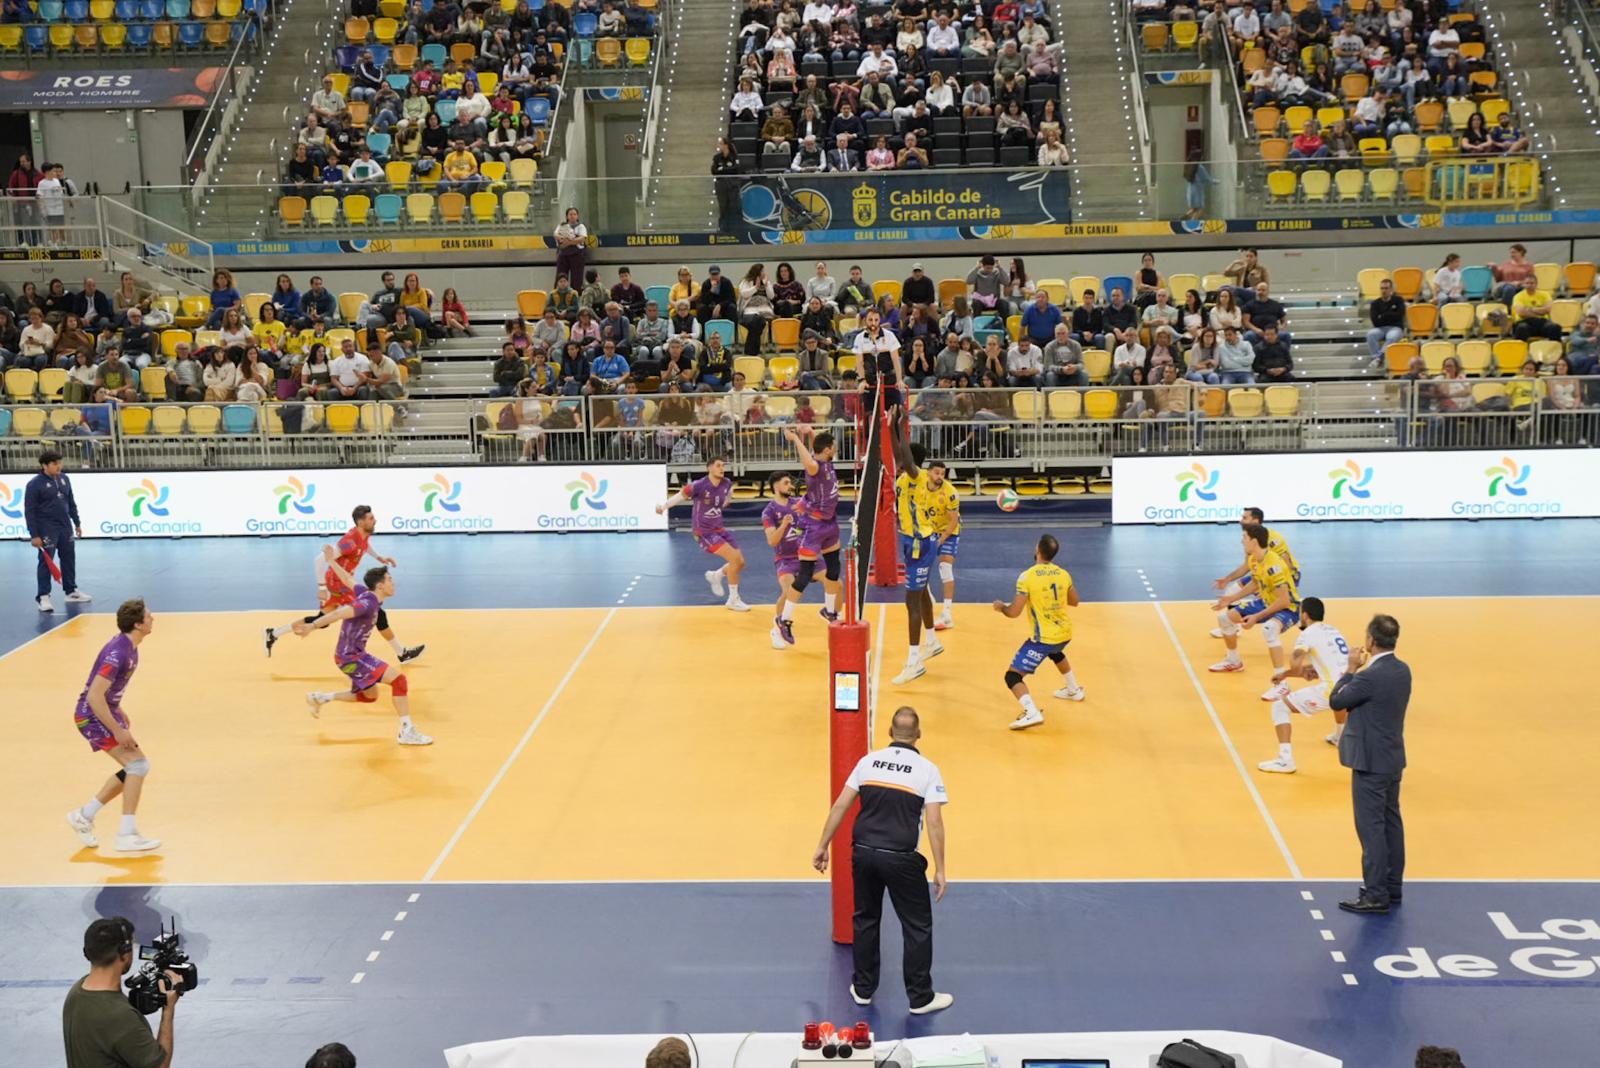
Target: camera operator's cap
column 107, row 933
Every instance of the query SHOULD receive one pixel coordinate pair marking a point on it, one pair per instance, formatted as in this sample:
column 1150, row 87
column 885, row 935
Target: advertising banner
column 878, row 200
column 154, row 87
column 560, row 499
column 1486, row 484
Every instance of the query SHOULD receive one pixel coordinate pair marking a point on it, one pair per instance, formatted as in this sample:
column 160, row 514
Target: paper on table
column 947, row 1051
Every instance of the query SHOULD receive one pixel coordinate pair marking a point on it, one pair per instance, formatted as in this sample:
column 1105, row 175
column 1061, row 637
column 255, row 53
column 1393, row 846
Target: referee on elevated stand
column 898, row 786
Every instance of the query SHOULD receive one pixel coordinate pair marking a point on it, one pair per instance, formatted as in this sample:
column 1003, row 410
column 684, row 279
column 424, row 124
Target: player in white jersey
column 1320, row 654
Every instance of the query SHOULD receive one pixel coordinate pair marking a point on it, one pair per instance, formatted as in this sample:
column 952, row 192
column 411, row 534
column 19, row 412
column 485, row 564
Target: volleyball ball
column 1007, row 500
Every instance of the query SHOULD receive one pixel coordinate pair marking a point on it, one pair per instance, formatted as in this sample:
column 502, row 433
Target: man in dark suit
column 840, row 157
column 1373, row 748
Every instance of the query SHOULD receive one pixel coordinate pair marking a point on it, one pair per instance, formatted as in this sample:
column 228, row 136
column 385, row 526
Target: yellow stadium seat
column 292, row 211
column 1422, row 319
column 1474, row 356
column 1179, row 284
column 1055, row 288
column 135, row 419
column 1327, row 116
column 1367, row 281
column 1374, row 151
column 846, row 362
column 1295, row 118
column 1267, row 120
column 1274, row 150
column 1245, row 402
column 52, row 380
column 1579, row 277
column 204, row 418
column 1079, row 282
column 11, row 37
column 1097, row 364
column 1316, row 183
column 1461, row 111
column 338, row 336
column 356, row 30
column 207, row 338
column 1483, row 312
column 638, row 51
column 516, row 205
column 782, row 369
column 1566, row 314
column 153, row 383
column 1434, row 353
column 357, row 206
column 28, row 422
column 170, row 339
column 398, row 173
column 1408, row 282
column 1350, row 181
column 1065, row 404
column 350, row 305
column 1014, row 326
column 168, row 419
column 1509, row 354
column 1439, row 144
column 1483, row 392
column 786, row 334
column 887, row 288
column 192, row 311
column 1353, row 86
column 1025, row 405
column 65, row 419
column 754, row 369
column 218, row 34
column 385, row 29
column 21, row 383
column 1384, row 183
column 1281, row 184
column 452, row 207
column 1185, row 34
column 1457, row 318
column 1429, row 115
column 493, row 169
column 1545, row 352
column 114, row 36
column 485, row 206
column 608, row 51
column 1281, row 401
column 342, row 418
column 1493, row 108
column 488, row 81
column 229, row 9
column 86, row 36
column 1399, row 355
column 1211, row 283
column 379, row 418
column 252, row 304
column 1100, row 404
column 463, row 52
column 531, row 302
column 404, row 57
column 1154, row 36
column 1549, row 276
column 419, row 207
column 1407, row 149
column 325, row 210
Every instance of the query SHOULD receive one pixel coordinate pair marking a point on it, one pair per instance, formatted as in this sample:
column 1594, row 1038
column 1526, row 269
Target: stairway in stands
column 1108, row 179
column 700, row 59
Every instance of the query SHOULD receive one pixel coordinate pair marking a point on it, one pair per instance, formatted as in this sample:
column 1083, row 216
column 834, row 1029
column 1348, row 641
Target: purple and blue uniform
column 786, row 554
column 364, row 669
column 709, row 501
column 822, row 512
column 116, row 662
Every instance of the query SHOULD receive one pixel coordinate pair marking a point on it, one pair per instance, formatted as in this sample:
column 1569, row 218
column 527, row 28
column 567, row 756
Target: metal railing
column 1000, row 432
column 218, row 119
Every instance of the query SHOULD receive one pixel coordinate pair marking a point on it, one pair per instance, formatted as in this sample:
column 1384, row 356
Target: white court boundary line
column 1233, row 752
column 1153, row 881
column 527, row 735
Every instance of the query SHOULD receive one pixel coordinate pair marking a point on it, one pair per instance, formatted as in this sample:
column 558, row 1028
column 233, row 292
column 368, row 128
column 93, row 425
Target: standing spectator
column 572, row 241
column 21, row 187
column 1388, row 314
column 1373, row 748
column 755, row 307
column 51, row 515
column 51, row 195
column 1272, row 363
column 725, row 172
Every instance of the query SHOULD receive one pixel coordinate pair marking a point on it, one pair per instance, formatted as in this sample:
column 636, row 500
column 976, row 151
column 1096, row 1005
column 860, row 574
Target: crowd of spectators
column 848, row 87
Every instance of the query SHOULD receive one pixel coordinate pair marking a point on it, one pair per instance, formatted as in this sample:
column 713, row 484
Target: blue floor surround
column 480, row 961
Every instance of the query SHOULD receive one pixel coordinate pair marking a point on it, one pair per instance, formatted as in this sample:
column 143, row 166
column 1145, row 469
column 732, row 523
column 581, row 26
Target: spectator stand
column 503, row 187
column 131, row 32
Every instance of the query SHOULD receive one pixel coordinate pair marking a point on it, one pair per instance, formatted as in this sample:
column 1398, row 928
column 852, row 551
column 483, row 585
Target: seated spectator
column 453, row 315
column 1205, row 362
column 1120, row 321
column 616, row 328
column 91, row 306
column 1160, row 311
column 1388, row 314
column 224, row 295
column 350, row 374
column 417, row 303
column 1052, row 153
column 1475, row 139
column 115, row 380
column 318, row 308
column 37, row 342
column 563, row 300
column 233, row 329
column 880, row 157
column 1308, row 143
column 1530, row 312
column 912, row 156
column 1013, row 126
column 129, row 294
column 1063, row 360
column 71, row 339
column 316, row 373
column 809, row 159
column 384, row 377
column 1040, row 319
column 10, row 336
column 777, row 133
column 1583, row 347
column 1236, row 359
column 1126, row 358
column 138, row 340
column 255, row 378
column 328, row 105
column 185, row 376
column 82, row 378
column 1261, row 312
column 1272, row 362
column 1088, row 326
column 1165, row 351
column 1506, row 136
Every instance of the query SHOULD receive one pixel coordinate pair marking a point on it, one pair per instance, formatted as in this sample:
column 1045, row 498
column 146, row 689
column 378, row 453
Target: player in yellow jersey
column 944, row 511
column 1230, row 584
column 918, row 548
column 1273, row 603
column 1045, row 592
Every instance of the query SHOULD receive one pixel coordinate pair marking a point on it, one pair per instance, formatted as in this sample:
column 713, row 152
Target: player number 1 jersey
column 1046, row 586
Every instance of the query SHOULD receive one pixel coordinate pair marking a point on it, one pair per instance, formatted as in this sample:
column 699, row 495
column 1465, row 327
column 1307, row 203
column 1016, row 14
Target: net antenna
column 863, row 523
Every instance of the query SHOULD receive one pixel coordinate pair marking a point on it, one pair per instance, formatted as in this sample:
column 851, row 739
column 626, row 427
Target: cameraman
column 101, row 1027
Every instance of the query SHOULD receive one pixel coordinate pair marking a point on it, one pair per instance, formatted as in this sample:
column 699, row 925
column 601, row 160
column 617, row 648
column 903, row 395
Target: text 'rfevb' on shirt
column 894, row 784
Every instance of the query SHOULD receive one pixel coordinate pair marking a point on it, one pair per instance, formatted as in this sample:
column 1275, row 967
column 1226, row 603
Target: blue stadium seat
column 1476, row 282
column 536, row 6
column 177, row 9
column 446, row 110
column 243, row 28
column 191, row 34
column 77, row 10
column 152, row 10
column 380, row 55
column 50, row 10
column 346, row 56
column 379, row 143
column 38, row 37
column 239, row 419
column 538, row 108
column 436, row 53
column 387, row 208
column 126, row 10
column 585, row 23
column 1122, row 282
column 5, row 421
column 398, row 82
column 139, row 34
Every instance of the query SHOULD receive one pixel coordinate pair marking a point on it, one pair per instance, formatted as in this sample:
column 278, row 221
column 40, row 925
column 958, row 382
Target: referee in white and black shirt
column 898, row 787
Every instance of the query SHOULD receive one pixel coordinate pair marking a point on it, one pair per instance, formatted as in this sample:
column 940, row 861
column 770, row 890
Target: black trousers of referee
column 905, row 876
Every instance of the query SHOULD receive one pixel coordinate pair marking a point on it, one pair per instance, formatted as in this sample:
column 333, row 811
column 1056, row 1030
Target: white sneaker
column 1276, row 691
column 1068, row 693
column 1280, row 765
column 1332, row 738
column 857, row 998
column 78, row 597
column 944, row 622
column 45, row 605
column 316, row 700
column 1022, row 723
column 84, row 828
column 717, row 587
column 940, row 1001
column 736, row 604
column 777, row 640
column 931, row 647
column 1216, row 632
column 412, row 736
column 910, row 672
column 136, row 843
column 1227, row 665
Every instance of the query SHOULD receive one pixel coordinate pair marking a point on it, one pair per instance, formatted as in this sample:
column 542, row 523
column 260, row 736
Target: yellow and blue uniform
column 1269, row 575
column 1277, row 543
column 1046, row 587
column 944, row 513
column 917, row 540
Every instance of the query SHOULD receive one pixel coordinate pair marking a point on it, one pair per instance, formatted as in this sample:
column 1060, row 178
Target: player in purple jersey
column 356, row 621
column 710, row 496
column 821, row 522
column 107, row 729
column 782, row 521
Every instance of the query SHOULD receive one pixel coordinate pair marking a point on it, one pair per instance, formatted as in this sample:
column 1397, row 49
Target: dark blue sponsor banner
column 945, row 202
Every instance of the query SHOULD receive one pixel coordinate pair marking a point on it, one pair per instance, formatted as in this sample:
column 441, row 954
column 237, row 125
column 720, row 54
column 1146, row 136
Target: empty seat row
column 391, row 209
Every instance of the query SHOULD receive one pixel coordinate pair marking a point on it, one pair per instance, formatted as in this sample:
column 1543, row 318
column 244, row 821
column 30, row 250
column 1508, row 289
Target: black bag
column 1191, row 1054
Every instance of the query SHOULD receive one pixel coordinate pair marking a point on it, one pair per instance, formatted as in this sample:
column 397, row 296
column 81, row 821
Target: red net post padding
column 886, row 567
column 849, row 651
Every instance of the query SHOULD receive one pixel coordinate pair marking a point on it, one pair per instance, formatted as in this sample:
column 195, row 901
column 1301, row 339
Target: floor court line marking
column 1316, row 914
column 752, row 881
column 399, row 917
column 1337, row 955
column 527, row 736
column 386, row 936
column 1233, row 752
column 412, row 900
column 1307, row 895
column 373, row 955
column 1327, row 936
column 356, row 978
column 1350, row 980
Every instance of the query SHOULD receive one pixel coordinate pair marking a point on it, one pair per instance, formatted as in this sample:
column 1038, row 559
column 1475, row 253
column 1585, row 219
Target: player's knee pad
column 1057, row 658
column 1225, row 622
column 1012, row 678
column 1232, row 591
column 383, row 619
column 802, row 578
column 1280, row 713
column 947, row 571
column 831, row 565
column 122, row 774
column 400, row 686
column 1272, row 632
column 368, row 696
column 137, row 767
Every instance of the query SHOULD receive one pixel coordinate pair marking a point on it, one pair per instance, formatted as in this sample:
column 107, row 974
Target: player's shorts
column 1309, row 700
column 365, row 671
column 918, row 555
column 788, row 566
column 1031, row 654
column 712, row 540
column 339, row 595
column 950, row 545
column 818, row 536
column 94, row 732
column 1287, row 619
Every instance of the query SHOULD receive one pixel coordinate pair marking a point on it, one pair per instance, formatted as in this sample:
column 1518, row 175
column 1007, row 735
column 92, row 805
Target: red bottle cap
column 812, row 1038
column 863, row 1035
